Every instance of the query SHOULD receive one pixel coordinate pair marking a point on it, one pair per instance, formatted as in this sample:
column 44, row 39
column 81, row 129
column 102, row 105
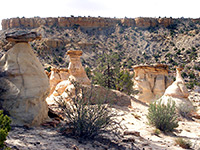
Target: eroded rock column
column 178, row 93
column 24, row 71
column 150, row 81
column 76, row 70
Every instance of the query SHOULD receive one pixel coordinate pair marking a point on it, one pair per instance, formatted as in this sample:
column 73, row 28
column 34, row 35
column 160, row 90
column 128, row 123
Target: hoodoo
column 25, row 73
column 151, row 81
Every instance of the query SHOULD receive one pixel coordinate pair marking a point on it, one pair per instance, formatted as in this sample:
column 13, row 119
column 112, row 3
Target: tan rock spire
column 178, row 93
column 60, row 80
column 76, row 70
column 178, row 88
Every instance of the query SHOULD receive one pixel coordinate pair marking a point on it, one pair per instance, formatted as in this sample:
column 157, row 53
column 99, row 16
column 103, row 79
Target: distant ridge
column 85, row 22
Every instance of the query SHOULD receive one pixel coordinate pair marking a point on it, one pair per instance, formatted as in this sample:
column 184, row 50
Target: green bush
column 162, row 116
column 85, row 119
column 4, row 127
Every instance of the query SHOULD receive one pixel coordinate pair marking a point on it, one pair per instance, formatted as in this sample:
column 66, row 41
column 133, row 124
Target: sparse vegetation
column 177, row 44
column 186, row 144
column 86, row 119
column 48, row 69
column 108, row 74
column 185, row 110
column 4, row 127
column 156, row 132
column 136, row 116
column 163, row 116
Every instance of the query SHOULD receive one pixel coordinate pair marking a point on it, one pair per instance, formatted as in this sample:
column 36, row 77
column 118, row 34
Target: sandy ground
column 140, row 133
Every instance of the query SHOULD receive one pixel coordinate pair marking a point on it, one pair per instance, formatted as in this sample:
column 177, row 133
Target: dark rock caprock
column 22, row 36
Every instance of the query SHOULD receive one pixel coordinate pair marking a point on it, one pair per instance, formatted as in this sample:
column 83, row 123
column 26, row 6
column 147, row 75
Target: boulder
column 108, row 96
column 150, row 81
column 29, row 84
column 93, row 93
column 197, row 89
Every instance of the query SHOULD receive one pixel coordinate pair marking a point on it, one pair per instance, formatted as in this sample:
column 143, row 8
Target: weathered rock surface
column 146, row 22
column 8, row 90
column 76, row 70
column 178, row 88
column 22, row 36
column 54, row 43
column 61, row 78
column 151, row 81
column 56, row 76
column 177, row 92
column 26, row 74
column 165, row 21
column 96, row 93
column 86, row 22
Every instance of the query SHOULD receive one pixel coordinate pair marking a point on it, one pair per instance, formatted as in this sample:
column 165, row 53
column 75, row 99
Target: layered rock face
column 146, row 22
column 151, row 81
column 86, row 22
column 177, row 92
column 26, row 77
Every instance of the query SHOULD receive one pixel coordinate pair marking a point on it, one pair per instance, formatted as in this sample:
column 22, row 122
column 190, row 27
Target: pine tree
column 108, row 74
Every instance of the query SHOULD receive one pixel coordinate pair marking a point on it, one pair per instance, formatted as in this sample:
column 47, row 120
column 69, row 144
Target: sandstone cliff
column 87, row 22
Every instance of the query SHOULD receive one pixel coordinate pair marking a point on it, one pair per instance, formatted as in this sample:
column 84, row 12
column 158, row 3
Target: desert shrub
column 190, row 85
column 163, row 116
column 60, row 59
column 196, row 67
column 185, row 110
column 183, row 74
column 87, row 120
column 88, row 72
column 191, row 75
column 48, row 69
column 4, row 127
column 183, row 143
column 156, row 132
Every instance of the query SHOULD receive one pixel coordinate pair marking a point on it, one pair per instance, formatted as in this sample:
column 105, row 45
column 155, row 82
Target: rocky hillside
column 135, row 41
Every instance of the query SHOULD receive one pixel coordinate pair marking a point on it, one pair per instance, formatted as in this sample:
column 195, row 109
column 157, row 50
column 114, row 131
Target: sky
column 103, row 8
